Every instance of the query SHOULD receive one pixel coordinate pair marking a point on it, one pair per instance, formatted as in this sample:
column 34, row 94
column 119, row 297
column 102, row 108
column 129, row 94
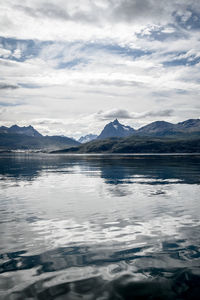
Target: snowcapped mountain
column 87, row 138
column 115, row 129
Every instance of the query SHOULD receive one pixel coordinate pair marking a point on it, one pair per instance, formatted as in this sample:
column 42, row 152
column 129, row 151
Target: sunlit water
column 99, row 227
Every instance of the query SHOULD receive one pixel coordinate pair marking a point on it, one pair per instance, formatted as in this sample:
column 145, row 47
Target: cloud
column 113, row 114
column 115, row 11
column 96, row 20
column 7, row 86
column 7, row 104
column 44, row 10
column 128, row 59
column 48, row 121
column 161, row 113
column 116, row 82
column 134, row 10
column 124, row 114
column 4, row 52
column 2, row 112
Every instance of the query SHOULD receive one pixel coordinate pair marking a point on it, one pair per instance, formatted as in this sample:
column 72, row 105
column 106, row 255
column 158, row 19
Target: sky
column 69, row 67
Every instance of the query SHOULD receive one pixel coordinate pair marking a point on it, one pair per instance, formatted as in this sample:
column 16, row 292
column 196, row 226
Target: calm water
column 99, row 227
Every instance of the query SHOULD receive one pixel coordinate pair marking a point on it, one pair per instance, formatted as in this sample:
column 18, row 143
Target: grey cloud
column 3, row 110
column 47, row 122
column 55, row 11
column 161, row 113
column 110, row 94
column 48, row 10
column 129, row 10
column 7, row 86
column 113, row 114
column 124, row 114
column 158, row 11
column 117, row 82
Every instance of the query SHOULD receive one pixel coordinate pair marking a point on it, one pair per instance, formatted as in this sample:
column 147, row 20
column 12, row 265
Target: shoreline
column 29, row 152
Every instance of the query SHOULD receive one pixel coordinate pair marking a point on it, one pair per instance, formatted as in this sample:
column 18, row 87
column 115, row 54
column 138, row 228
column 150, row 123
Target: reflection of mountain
column 117, row 170
column 113, row 169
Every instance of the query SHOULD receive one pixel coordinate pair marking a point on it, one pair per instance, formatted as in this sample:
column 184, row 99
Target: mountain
column 29, row 130
column 139, row 144
column 87, row 138
column 157, row 128
column 191, row 125
column 27, row 138
column 115, row 129
column 162, row 128
column 156, row 137
column 159, row 136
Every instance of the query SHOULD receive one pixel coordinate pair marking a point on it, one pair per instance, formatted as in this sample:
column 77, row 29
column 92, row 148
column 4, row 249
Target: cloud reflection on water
column 105, row 228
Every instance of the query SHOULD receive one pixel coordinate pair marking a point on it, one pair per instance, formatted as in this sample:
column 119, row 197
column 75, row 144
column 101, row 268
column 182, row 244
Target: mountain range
column 15, row 129
column 114, row 137
column 25, row 138
column 156, row 137
column 156, row 129
column 87, row 138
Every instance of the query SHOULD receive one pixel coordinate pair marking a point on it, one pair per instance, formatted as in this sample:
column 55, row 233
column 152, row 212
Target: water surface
column 99, row 227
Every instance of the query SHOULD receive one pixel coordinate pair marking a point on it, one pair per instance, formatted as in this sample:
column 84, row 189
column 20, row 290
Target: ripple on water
column 99, row 228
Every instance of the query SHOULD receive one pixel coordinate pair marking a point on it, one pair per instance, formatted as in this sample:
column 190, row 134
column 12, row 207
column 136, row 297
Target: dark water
column 99, row 227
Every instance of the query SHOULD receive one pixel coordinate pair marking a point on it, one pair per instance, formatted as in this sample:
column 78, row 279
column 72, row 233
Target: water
column 99, row 227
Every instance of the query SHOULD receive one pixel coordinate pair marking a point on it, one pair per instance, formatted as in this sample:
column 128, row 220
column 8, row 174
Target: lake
column 99, row 227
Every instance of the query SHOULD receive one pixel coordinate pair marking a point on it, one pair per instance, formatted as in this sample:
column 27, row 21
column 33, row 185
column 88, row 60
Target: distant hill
column 115, row 129
column 87, row 138
column 162, row 128
column 156, row 128
column 139, row 144
column 191, row 125
column 28, row 138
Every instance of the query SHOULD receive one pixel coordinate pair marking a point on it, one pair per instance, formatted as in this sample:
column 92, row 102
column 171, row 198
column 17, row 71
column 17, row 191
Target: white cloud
column 17, row 53
column 88, row 20
column 77, row 58
column 5, row 52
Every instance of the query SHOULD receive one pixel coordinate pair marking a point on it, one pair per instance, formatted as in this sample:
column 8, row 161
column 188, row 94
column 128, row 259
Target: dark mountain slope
column 191, row 125
column 25, row 138
column 162, row 128
column 156, row 128
column 136, row 144
column 115, row 129
column 15, row 129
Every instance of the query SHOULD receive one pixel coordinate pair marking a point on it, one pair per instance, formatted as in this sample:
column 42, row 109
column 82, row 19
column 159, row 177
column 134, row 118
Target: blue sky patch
column 21, row 50
column 71, row 64
column 191, row 61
